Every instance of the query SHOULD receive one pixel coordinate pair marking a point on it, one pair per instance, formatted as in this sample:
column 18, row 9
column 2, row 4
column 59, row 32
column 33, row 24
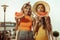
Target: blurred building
column 7, row 24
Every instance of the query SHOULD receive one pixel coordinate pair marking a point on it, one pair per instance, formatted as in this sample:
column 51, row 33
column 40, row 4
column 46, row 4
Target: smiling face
column 26, row 9
column 40, row 8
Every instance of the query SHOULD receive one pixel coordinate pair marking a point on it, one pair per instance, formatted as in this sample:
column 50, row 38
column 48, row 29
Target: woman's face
column 40, row 8
column 26, row 10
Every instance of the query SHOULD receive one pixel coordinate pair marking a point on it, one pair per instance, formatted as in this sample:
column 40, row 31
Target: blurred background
column 15, row 6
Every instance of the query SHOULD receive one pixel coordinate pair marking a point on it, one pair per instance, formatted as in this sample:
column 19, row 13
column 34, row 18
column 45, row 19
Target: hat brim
column 47, row 7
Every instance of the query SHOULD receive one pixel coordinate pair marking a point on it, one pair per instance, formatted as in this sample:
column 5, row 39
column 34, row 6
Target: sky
column 15, row 6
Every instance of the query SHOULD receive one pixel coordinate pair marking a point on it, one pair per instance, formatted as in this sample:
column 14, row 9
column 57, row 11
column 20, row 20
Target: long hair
column 44, row 22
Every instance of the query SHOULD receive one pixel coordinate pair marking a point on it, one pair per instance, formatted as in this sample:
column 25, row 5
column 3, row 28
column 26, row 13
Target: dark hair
column 43, row 22
column 25, row 6
column 42, row 5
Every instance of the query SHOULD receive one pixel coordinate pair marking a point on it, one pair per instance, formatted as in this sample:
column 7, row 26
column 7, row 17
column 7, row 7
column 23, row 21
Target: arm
column 34, row 27
column 34, row 24
column 17, row 23
column 18, row 15
column 49, row 27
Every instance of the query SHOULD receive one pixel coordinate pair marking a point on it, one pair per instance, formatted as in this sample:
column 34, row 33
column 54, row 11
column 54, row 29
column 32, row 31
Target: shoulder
column 48, row 17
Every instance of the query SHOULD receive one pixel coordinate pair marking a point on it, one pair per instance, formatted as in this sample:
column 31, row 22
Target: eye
column 38, row 7
column 42, row 7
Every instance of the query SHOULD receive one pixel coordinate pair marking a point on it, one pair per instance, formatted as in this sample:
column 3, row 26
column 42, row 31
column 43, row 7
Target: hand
column 35, row 35
column 16, row 28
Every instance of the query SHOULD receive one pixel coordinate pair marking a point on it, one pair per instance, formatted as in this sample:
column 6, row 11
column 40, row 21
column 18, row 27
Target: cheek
column 38, row 9
column 24, row 10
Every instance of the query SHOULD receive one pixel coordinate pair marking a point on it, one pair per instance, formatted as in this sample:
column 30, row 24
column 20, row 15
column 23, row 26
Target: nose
column 27, row 10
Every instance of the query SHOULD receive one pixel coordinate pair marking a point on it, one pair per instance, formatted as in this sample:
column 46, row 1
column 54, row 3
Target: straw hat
column 47, row 7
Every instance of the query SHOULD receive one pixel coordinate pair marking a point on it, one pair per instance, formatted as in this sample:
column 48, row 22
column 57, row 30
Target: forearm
column 17, row 23
column 34, row 29
column 34, row 25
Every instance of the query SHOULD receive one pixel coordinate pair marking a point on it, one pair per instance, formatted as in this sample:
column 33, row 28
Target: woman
column 24, row 23
column 43, row 27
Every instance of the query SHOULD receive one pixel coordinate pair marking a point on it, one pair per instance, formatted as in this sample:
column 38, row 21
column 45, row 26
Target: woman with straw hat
column 43, row 27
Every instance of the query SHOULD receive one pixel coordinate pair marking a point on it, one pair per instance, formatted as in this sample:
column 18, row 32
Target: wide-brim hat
column 47, row 7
